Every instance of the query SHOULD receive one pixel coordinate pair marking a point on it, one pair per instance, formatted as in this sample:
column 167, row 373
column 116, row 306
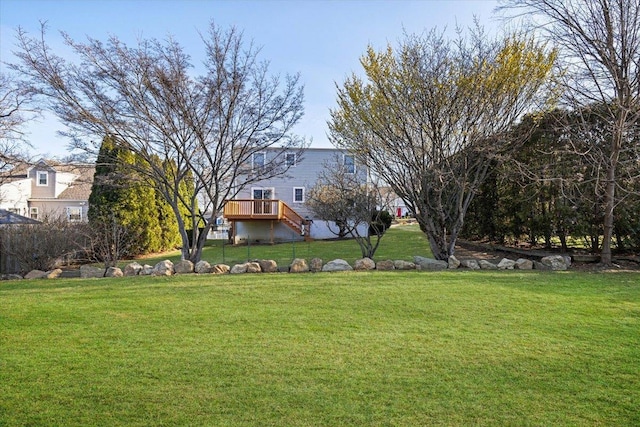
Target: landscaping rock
column 90, row 272
column 385, row 265
column 471, row 264
column 53, row 274
column 163, row 268
column 113, row 272
column 486, row 265
column 537, row 265
column 337, row 265
column 132, row 269
column 364, row 264
column 239, row 269
column 253, row 267
column 35, row 274
column 506, row 264
column 453, row 262
column 147, row 270
column 524, row 264
column 220, row 269
column 183, row 267
column 429, row 263
column 315, row 265
column 202, row 267
column 268, row 266
column 403, row 265
column 299, row 265
column 556, row 262
column 11, row 277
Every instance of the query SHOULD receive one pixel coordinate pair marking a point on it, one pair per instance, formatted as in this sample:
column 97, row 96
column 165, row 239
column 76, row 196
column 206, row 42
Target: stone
column 202, row 267
column 183, row 267
column 11, row 276
column 471, row 264
column 386, row 265
column 147, row 270
column 35, row 274
column 53, row 274
column 220, row 269
column 506, row 264
column 268, row 266
column 524, row 264
column 537, row 265
column 453, row 262
column 556, row 262
column 253, row 267
column 364, row 264
column 163, row 268
column 91, row 272
column 486, row 265
column 315, row 265
column 299, row 265
column 132, row 269
column 403, row 265
column 337, row 265
column 429, row 263
column 113, row 272
column 239, row 269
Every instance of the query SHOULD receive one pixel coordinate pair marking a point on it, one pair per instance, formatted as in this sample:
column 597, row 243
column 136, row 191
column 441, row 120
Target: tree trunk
column 609, row 205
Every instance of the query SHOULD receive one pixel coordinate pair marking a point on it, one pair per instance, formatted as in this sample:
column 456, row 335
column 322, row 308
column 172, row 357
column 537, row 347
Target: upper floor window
column 349, row 164
column 298, row 194
column 290, row 159
column 43, row 178
column 74, row 213
column 258, row 162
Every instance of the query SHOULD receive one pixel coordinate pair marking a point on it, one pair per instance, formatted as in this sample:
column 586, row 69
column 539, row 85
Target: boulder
column 403, row 265
column 90, row 272
column 113, row 272
column 453, row 262
column 268, row 266
column 315, row 265
column 429, row 263
column 132, row 269
column 53, row 274
column 202, row 267
column 506, row 264
column 540, row 266
column 486, row 265
column 556, row 262
column 385, row 265
column 337, row 265
column 471, row 264
column 35, row 274
column 239, row 269
column 147, row 270
column 299, row 265
column 220, row 269
column 524, row 264
column 183, row 267
column 253, row 267
column 11, row 276
column 364, row 264
column 163, row 268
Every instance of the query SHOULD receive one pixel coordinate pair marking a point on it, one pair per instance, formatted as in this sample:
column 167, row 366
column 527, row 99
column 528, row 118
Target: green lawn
column 402, row 242
column 342, row 349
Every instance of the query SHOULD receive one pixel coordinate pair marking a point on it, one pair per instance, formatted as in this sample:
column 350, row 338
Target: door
column 262, row 201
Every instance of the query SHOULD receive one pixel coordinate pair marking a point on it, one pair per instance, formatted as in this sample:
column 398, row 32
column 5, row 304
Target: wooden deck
column 268, row 210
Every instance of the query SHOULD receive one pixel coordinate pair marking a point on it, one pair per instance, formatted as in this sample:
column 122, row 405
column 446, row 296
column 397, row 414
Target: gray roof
column 7, row 217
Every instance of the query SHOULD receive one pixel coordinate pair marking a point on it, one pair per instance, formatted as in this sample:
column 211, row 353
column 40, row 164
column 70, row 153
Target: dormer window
column 43, row 178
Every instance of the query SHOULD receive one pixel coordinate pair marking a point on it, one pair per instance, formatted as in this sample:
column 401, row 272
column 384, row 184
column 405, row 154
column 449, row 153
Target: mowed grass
column 327, row 349
column 401, row 242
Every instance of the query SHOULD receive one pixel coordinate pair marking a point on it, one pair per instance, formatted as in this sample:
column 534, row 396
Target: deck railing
column 263, row 209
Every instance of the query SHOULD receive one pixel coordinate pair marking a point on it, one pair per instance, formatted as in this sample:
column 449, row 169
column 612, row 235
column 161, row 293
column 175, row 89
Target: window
column 33, row 213
column 298, row 194
column 349, row 164
column 258, row 162
column 74, row 213
column 43, row 179
column 290, row 159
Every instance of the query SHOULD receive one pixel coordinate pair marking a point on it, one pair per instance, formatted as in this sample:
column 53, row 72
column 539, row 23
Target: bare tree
column 200, row 131
column 349, row 202
column 432, row 117
column 599, row 42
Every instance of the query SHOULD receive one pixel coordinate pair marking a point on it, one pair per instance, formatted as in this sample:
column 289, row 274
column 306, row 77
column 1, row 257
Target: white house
column 275, row 210
column 47, row 188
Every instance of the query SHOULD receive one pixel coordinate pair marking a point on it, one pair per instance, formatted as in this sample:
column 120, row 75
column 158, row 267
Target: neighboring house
column 393, row 204
column 47, row 188
column 274, row 209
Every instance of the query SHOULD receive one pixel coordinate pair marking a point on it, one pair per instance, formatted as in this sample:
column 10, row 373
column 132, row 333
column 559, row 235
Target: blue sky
column 321, row 39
